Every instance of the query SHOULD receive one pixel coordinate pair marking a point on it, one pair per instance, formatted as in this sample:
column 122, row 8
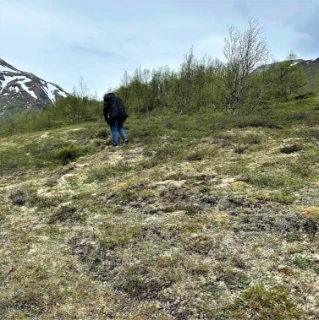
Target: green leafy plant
column 69, row 153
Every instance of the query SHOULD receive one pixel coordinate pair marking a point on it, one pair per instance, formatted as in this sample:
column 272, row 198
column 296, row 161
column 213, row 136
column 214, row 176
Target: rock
column 285, row 269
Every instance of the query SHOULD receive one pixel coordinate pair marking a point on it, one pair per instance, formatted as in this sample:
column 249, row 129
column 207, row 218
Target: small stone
column 285, row 269
column 315, row 257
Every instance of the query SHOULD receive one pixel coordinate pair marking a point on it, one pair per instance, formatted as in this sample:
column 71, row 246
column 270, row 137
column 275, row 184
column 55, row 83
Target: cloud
column 132, row 41
column 101, row 53
column 99, row 40
column 307, row 34
column 243, row 8
column 211, row 45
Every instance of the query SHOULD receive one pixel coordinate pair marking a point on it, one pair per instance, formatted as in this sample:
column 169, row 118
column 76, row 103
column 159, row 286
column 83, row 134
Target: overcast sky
column 63, row 40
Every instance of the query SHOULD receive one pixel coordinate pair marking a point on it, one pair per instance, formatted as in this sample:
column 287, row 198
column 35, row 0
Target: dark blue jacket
column 113, row 108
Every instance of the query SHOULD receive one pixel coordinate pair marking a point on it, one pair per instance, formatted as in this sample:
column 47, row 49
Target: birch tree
column 244, row 51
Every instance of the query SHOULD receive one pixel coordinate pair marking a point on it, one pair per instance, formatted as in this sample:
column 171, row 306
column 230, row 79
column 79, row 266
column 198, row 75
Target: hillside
column 213, row 217
column 20, row 90
column 310, row 67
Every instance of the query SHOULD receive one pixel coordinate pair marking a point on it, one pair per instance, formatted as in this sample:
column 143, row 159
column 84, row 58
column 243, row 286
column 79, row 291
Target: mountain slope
column 20, row 90
column 310, row 67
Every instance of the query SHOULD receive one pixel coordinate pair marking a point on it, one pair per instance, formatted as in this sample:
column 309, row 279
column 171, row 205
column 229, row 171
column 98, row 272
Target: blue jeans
column 117, row 126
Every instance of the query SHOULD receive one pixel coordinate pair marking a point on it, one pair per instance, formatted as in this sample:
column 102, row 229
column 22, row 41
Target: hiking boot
column 115, row 145
column 125, row 141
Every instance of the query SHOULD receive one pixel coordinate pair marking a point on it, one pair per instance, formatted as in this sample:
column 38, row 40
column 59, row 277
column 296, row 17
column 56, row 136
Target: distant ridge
column 310, row 67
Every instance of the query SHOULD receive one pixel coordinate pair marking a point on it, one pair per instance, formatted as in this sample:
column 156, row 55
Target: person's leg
column 121, row 129
column 114, row 129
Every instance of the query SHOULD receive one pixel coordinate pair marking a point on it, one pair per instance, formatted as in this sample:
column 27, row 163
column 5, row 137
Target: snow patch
column 49, row 90
column 4, row 82
column 27, row 89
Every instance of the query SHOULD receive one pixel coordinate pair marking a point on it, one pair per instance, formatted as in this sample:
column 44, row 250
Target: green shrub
column 69, row 153
column 260, row 303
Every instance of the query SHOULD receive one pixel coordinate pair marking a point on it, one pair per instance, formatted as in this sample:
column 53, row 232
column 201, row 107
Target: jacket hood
column 108, row 95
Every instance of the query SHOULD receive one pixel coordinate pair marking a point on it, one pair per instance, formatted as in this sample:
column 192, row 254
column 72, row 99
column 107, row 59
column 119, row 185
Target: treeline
column 207, row 85
column 240, row 84
column 243, row 83
column 70, row 110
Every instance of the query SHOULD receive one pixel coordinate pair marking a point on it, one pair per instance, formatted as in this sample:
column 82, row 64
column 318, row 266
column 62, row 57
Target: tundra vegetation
column 210, row 212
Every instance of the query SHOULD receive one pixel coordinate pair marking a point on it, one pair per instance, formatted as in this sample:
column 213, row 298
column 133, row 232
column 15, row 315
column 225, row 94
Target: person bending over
column 115, row 115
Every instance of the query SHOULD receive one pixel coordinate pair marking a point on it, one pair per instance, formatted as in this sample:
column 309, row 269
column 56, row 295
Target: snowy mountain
column 20, row 90
column 305, row 64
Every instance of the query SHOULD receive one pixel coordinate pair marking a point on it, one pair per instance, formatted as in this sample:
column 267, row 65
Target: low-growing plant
column 301, row 170
column 114, row 236
column 264, row 121
column 250, row 139
column 69, row 153
column 195, row 156
column 240, row 149
column 128, row 195
column 44, row 202
column 311, row 220
column 234, row 279
column 147, row 132
column 67, row 213
column 302, row 262
column 291, row 149
column 103, row 172
column 18, row 197
column 258, row 302
column 188, row 209
column 204, row 189
column 300, row 115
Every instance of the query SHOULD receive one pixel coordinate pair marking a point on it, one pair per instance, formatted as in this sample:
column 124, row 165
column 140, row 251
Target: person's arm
column 123, row 105
column 106, row 111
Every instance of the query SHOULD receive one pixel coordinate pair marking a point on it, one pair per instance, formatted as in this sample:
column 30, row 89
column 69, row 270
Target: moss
column 234, row 279
column 67, row 213
column 258, row 302
column 114, row 236
column 291, row 149
column 18, row 197
column 311, row 220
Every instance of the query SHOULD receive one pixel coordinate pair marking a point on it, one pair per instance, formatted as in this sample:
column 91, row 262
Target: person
column 115, row 115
